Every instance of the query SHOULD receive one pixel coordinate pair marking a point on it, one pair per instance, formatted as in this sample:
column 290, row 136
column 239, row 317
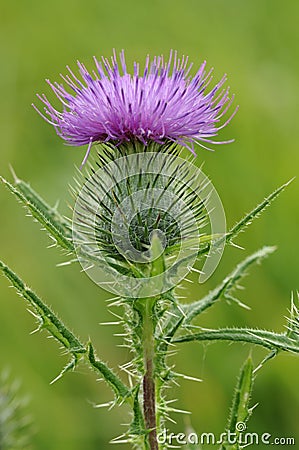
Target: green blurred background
column 257, row 44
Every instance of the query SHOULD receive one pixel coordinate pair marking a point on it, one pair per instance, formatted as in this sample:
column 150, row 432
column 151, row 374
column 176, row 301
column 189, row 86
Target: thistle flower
column 162, row 104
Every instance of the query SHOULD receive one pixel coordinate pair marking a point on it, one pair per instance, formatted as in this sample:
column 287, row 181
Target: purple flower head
column 164, row 103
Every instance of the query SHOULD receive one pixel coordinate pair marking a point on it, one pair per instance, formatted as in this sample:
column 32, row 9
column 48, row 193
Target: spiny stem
column 149, row 389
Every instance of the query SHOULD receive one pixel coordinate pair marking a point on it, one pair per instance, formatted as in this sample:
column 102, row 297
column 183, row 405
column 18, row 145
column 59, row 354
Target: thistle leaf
column 32, row 195
column 48, row 217
column 255, row 213
column 264, row 338
column 137, row 426
column 245, row 221
column 69, row 366
column 240, row 411
column 228, row 284
column 181, row 315
column 49, row 321
column 120, row 389
column 293, row 320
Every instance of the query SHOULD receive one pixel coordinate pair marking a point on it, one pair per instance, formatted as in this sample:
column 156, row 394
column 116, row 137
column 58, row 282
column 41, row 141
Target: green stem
column 149, row 388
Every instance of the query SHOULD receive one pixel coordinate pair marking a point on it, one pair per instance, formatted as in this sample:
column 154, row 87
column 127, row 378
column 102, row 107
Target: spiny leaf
column 59, row 331
column 255, row 213
column 245, row 221
column 48, row 319
column 117, row 385
column 181, row 315
column 71, row 365
column 264, row 338
column 34, row 197
column 42, row 212
column 240, row 411
column 293, row 320
column 228, row 284
column 240, row 408
column 137, row 426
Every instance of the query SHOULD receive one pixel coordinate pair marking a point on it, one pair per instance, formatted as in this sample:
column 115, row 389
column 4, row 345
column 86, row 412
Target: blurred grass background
column 256, row 44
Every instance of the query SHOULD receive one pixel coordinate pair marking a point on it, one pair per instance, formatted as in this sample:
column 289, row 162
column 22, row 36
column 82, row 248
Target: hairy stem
column 149, row 389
